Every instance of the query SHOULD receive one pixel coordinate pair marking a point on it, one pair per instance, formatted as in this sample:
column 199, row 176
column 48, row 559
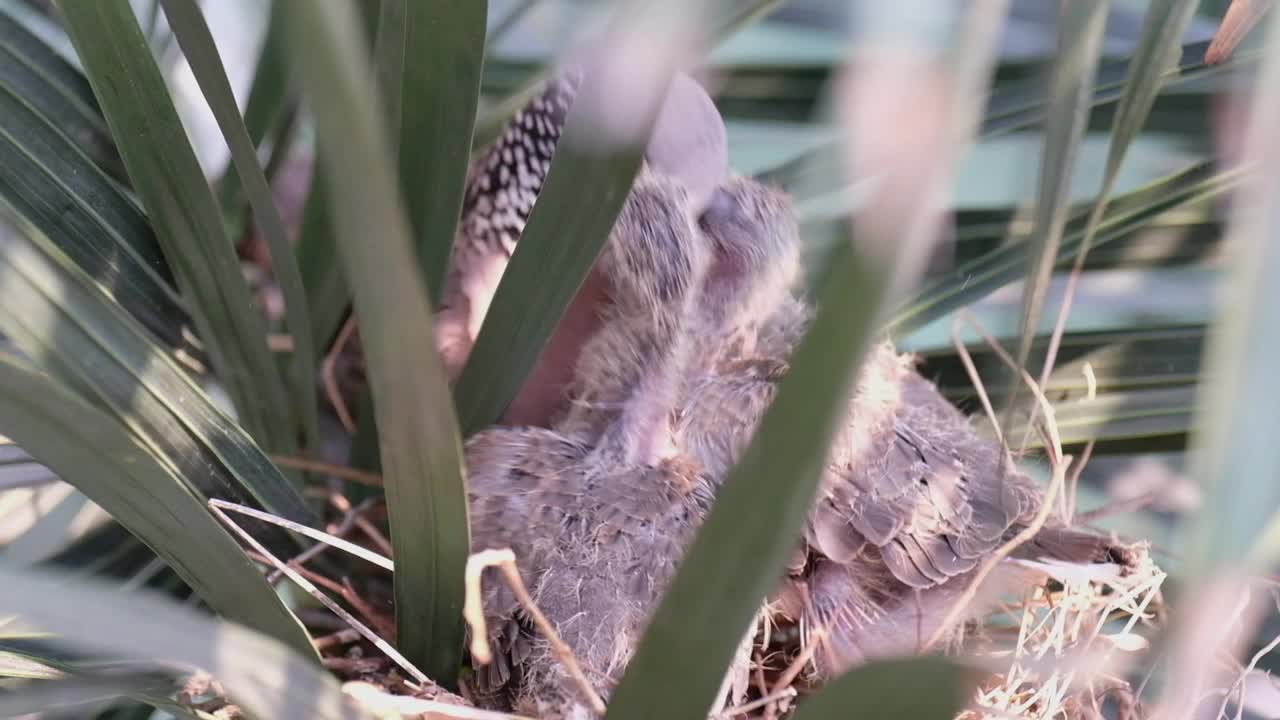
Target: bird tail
column 1068, row 553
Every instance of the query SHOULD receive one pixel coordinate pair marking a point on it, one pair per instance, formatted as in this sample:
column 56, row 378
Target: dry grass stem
column 217, row 508
column 336, row 542
column 329, row 376
column 338, row 471
column 336, row 531
column 473, row 612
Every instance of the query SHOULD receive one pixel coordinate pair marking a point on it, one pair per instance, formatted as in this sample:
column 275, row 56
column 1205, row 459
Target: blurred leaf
column 82, row 692
column 46, row 178
column 328, row 296
column 56, row 90
column 1239, row 412
column 1158, row 50
column 743, row 545
column 197, row 44
column 1070, row 89
column 272, row 99
column 1122, row 359
column 721, row 20
column 60, row 318
column 418, row 434
column 912, row 689
column 559, row 244
column 1022, row 105
column 264, row 677
column 968, row 282
column 1122, row 415
column 167, row 177
column 21, row 665
column 92, row 451
column 429, row 55
column 746, row 538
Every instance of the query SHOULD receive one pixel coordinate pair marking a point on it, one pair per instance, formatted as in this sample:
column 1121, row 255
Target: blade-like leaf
column 562, row 239
column 1122, row 415
column 1023, row 105
column 60, row 318
column 722, row 20
column 24, row 666
column 742, row 547
column 264, row 677
column 45, row 177
column 58, row 91
column 83, row 693
column 271, row 100
column 911, row 689
column 197, row 44
column 1117, row 360
column 92, row 451
column 168, row 179
column 728, row 571
column 429, row 57
column 584, row 190
column 1070, row 90
column 328, row 296
column 418, row 434
column 1159, row 48
column 1240, row 404
column 1000, row 267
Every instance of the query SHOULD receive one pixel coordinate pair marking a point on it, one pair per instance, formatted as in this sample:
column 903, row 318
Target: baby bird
column 911, row 498
column 597, row 515
column 688, row 142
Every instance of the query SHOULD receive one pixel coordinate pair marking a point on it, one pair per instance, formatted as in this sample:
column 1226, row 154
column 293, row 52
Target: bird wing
column 908, row 480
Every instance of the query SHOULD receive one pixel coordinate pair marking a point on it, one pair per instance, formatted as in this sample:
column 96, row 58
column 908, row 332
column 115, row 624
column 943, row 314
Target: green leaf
column 81, row 693
column 745, row 540
column 22, row 665
column 327, row 293
column 1022, row 105
column 966, row 283
column 560, row 242
column 418, row 434
column 46, row 179
column 1070, row 90
column 272, row 99
column 167, row 177
column 1121, row 415
column 197, row 44
column 1158, row 49
column 1117, row 360
column 742, row 547
column 925, row 688
column 65, row 323
column 266, row 678
column 429, row 57
column 57, row 90
column 721, row 20
column 95, row 453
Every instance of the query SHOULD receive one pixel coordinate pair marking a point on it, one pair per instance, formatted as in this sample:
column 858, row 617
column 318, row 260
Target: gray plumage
column 688, row 142
column 598, row 517
column 695, row 322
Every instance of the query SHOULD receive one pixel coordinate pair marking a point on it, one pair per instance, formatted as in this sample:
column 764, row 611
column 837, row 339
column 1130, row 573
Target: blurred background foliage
column 1139, row 320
